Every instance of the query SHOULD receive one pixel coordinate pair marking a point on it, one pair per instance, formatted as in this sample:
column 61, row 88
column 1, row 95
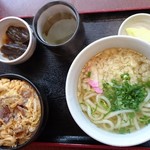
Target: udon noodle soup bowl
column 121, row 138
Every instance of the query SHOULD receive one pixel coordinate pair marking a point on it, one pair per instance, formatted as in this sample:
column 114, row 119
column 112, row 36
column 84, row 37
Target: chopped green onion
column 123, row 94
column 103, row 104
column 145, row 120
column 125, row 76
column 124, row 130
column 94, row 109
column 89, row 74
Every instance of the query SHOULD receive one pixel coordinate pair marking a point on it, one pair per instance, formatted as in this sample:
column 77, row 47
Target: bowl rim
column 37, row 132
column 83, row 122
column 30, row 38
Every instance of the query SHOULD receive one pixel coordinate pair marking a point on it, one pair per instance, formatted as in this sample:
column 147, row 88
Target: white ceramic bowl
column 16, row 21
column 139, row 20
column 83, row 122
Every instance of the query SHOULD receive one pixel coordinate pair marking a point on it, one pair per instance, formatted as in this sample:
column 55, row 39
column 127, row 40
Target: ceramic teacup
column 57, row 25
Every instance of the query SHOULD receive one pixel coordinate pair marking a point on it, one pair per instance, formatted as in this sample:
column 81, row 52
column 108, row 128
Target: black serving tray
column 48, row 73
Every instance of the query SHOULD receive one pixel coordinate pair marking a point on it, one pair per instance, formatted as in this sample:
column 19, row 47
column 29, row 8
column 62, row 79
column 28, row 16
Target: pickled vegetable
column 18, row 34
column 13, row 50
column 141, row 32
column 15, row 42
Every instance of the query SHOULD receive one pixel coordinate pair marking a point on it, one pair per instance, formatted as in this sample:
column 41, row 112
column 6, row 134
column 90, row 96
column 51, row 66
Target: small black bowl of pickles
column 17, row 42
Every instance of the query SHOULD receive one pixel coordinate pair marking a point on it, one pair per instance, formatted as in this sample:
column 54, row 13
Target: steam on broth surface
column 114, row 90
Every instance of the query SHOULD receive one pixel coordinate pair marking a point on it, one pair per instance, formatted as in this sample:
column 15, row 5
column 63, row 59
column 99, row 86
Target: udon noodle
column 20, row 112
column 114, row 90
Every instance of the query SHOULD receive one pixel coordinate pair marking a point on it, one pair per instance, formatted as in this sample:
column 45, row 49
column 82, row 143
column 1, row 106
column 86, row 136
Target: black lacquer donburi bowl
column 43, row 107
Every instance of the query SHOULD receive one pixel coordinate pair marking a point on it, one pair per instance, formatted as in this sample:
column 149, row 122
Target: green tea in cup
column 59, row 28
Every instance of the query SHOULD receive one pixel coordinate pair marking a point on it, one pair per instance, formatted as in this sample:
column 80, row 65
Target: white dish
column 138, row 21
column 16, row 21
